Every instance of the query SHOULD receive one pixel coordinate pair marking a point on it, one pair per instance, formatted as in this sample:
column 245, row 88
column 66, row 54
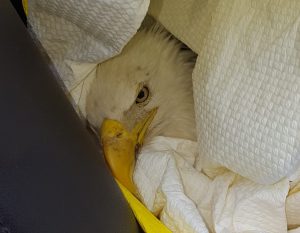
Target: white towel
column 246, row 80
column 78, row 35
column 247, row 93
column 188, row 201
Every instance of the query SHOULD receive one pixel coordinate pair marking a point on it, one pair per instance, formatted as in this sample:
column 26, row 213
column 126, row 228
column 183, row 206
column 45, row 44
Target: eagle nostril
column 119, row 135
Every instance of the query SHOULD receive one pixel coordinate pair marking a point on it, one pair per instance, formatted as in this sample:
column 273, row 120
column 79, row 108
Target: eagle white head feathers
column 152, row 71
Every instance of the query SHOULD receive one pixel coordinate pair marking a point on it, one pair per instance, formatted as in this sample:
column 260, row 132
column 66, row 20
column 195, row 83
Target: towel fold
column 189, row 201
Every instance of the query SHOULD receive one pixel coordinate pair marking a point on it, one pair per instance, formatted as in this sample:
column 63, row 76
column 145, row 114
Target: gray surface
column 53, row 179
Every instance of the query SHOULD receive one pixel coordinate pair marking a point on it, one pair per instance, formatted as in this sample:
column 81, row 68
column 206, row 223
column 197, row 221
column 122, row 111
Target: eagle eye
column 143, row 95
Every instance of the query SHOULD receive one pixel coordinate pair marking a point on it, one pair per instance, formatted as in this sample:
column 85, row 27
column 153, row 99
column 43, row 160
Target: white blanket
column 189, row 201
column 78, row 35
column 246, row 80
column 247, row 93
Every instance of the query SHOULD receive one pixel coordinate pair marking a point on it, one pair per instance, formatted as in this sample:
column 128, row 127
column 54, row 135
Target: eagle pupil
column 141, row 94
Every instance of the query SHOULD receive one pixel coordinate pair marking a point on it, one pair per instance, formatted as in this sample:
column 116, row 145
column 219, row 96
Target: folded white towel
column 246, row 80
column 84, row 31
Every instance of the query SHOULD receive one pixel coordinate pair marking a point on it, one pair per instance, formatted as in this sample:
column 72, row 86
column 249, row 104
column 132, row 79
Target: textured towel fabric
column 246, row 80
column 188, row 201
column 91, row 31
column 158, row 179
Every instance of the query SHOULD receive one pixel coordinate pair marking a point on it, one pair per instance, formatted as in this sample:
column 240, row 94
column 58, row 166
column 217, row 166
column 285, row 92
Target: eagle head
column 143, row 92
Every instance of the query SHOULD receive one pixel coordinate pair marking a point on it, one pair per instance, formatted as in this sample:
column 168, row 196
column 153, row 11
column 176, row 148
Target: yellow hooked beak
column 120, row 145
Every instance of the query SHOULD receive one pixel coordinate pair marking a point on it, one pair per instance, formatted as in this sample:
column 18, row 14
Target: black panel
column 53, row 179
column 19, row 8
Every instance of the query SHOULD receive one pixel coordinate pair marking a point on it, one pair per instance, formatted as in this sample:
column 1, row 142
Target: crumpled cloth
column 246, row 81
column 78, row 35
column 174, row 187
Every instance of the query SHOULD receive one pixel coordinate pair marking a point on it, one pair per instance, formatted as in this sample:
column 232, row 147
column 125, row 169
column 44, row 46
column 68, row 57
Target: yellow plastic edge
column 148, row 222
column 25, row 6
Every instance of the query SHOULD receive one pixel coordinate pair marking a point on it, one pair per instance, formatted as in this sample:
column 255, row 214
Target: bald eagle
column 145, row 91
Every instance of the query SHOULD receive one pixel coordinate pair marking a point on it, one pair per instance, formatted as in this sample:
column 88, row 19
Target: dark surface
column 19, row 8
column 53, row 179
